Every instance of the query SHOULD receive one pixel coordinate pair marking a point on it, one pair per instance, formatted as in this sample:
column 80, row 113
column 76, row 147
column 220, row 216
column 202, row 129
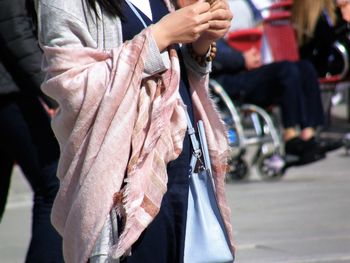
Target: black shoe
column 310, row 156
column 327, row 145
column 303, row 152
column 295, row 146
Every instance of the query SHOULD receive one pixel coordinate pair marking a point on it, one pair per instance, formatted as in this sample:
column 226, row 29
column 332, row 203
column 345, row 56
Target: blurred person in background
column 315, row 23
column 25, row 135
column 291, row 85
column 322, row 37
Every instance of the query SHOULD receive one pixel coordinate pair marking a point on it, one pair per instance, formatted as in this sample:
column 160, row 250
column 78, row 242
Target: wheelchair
column 249, row 126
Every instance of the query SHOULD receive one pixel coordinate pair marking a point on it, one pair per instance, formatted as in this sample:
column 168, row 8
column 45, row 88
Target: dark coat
column 20, row 54
column 319, row 48
column 20, row 68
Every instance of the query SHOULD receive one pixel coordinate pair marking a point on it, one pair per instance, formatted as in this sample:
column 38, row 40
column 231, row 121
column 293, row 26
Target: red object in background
column 281, row 36
column 281, row 5
column 245, row 39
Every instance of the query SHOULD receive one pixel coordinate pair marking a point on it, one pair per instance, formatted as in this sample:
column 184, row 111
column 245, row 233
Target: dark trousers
column 26, row 138
column 163, row 241
column 291, row 85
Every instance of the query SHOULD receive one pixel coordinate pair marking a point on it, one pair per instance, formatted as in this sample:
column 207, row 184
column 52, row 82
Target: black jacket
column 20, row 54
column 20, row 69
column 319, row 48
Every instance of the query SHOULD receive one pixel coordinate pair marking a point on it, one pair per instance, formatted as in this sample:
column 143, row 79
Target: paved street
column 302, row 218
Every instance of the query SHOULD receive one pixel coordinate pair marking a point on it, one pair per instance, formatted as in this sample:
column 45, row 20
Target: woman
column 315, row 22
column 121, row 80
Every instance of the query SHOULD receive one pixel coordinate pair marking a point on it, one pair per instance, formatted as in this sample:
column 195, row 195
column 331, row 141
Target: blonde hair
column 305, row 14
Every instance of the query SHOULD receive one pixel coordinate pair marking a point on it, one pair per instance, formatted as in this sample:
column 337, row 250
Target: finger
column 221, row 14
column 201, row 28
column 200, row 7
column 219, row 24
column 204, row 18
column 219, row 5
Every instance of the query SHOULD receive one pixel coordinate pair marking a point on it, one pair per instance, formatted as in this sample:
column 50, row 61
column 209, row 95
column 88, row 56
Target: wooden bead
column 201, row 60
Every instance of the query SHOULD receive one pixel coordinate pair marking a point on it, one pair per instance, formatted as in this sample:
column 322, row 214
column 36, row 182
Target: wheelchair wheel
column 271, row 166
column 238, row 169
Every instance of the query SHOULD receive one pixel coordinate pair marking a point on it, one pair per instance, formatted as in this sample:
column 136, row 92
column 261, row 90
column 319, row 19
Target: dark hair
column 111, row 7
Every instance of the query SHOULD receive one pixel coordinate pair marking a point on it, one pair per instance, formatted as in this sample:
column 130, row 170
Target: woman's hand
column 221, row 20
column 185, row 25
column 218, row 26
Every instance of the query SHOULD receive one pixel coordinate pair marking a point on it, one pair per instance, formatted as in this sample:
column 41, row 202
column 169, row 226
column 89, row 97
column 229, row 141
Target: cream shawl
column 117, row 131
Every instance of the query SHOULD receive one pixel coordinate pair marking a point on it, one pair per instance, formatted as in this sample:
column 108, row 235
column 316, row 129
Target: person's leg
column 44, row 236
column 16, row 141
column 276, row 83
column 39, row 125
column 45, row 245
column 314, row 113
column 6, row 163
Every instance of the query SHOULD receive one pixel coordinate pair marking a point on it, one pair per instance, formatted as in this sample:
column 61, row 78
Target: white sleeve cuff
column 156, row 62
column 193, row 64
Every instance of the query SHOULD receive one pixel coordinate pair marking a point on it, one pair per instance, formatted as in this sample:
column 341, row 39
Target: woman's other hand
column 185, row 25
column 218, row 26
column 221, row 20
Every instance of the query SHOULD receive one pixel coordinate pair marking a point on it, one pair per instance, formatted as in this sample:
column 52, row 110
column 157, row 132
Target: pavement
column 302, row 218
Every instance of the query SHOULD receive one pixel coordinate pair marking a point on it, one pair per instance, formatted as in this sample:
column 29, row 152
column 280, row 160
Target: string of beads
column 203, row 59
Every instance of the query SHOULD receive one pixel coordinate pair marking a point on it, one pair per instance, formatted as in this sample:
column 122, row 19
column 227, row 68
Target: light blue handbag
column 206, row 239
